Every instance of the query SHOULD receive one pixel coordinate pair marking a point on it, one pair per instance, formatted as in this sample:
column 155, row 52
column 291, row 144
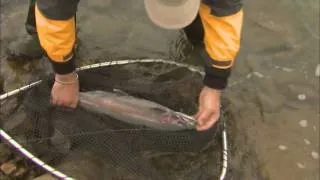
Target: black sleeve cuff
column 222, row 8
column 64, row 67
column 216, row 78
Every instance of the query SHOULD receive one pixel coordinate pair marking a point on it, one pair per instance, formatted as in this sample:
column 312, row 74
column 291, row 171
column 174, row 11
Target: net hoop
column 5, row 136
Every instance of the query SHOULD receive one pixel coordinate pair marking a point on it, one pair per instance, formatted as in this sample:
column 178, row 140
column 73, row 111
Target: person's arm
column 56, row 32
column 222, row 24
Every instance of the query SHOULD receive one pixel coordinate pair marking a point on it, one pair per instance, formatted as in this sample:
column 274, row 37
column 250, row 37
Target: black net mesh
column 87, row 145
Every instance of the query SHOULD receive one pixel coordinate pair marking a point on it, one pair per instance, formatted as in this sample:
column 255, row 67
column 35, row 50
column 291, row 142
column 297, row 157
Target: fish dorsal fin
column 120, row 92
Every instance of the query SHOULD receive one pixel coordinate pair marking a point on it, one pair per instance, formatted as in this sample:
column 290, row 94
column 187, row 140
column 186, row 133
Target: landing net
column 80, row 144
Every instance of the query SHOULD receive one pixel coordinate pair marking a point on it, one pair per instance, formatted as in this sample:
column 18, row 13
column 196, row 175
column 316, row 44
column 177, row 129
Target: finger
column 67, row 105
column 73, row 105
column 76, row 102
column 70, row 104
column 53, row 101
column 203, row 117
column 59, row 103
column 196, row 116
column 210, row 122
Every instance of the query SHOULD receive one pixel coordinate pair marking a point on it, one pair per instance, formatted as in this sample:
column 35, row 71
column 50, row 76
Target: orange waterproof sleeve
column 222, row 43
column 57, row 38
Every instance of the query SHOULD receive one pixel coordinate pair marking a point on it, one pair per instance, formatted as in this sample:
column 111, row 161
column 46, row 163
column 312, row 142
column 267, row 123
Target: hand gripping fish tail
column 137, row 111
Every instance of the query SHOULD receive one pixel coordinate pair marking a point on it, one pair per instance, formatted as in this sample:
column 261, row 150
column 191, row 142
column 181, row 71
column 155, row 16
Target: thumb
column 198, row 114
column 203, row 117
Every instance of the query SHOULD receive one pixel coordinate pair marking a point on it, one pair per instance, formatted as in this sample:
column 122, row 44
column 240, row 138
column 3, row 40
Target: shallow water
column 273, row 85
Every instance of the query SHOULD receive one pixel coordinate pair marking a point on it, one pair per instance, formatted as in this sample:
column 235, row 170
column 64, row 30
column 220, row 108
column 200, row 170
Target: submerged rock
column 317, row 72
column 4, row 153
column 20, row 172
column 82, row 165
column 307, row 141
column 45, row 177
column 15, row 123
column 8, row 168
column 304, row 91
column 303, row 123
column 302, row 97
column 301, row 166
column 315, row 155
column 283, row 147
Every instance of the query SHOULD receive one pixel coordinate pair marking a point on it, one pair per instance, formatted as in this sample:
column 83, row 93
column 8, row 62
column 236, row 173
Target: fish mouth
column 179, row 119
column 185, row 120
column 169, row 114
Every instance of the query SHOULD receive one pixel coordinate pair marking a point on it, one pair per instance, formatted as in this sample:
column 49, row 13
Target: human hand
column 209, row 108
column 65, row 90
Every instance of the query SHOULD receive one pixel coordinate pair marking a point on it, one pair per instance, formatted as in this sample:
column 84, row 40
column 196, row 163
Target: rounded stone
column 303, row 123
column 282, row 147
column 302, row 97
column 315, row 155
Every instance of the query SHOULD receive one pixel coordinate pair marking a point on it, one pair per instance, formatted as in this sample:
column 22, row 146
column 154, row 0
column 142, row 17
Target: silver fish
column 134, row 110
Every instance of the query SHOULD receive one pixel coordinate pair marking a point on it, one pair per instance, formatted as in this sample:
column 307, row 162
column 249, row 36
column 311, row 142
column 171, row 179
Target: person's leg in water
column 26, row 47
column 195, row 32
column 195, row 36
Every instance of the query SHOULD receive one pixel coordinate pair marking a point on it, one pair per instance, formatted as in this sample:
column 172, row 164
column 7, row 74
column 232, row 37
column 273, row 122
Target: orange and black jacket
column 221, row 21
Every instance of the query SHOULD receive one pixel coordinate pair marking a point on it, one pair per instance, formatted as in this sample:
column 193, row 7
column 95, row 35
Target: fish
column 133, row 110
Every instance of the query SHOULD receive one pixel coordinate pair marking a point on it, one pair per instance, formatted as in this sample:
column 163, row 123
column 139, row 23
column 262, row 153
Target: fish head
column 178, row 119
column 184, row 119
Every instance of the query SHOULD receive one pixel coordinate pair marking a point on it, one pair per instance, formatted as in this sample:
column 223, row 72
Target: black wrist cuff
column 214, row 82
column 64, row 67
column 216, row 78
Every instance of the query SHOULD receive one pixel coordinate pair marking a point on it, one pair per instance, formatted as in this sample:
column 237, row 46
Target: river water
column 274, row 89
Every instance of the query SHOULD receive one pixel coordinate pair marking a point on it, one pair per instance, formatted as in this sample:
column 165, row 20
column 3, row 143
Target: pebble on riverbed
column 317, row 72
column 282, row 147
column 9, row 164
column 307, row 141
column 301, row 166
column 45, row 177
column 302, row 97
column 8, row 168
column 20, row 172
column 258, row 74
column 315, row 155
column 303, row 123
column 287, row 69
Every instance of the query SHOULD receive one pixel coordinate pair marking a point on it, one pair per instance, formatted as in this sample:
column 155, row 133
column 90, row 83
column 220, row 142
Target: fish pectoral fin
column 120, row 92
